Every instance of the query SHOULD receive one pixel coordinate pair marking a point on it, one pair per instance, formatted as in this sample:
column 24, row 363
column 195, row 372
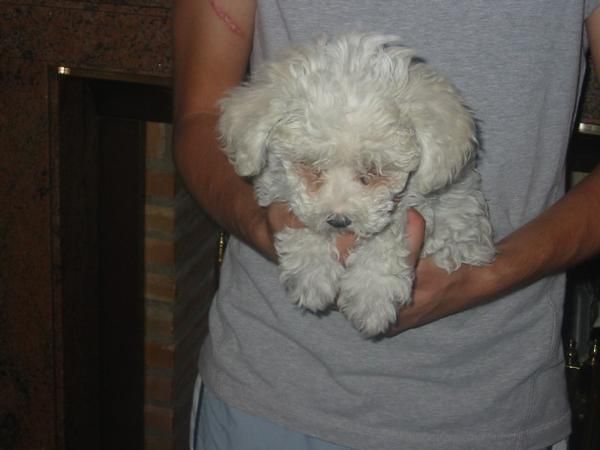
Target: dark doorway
column 99, row 235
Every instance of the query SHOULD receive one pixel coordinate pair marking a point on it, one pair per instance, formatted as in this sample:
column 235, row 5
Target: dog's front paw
column 310, row 270
column 370, row 300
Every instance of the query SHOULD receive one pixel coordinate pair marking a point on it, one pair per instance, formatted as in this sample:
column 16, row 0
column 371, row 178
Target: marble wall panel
column 26, row 307
column 89, row 35
column 129, row 36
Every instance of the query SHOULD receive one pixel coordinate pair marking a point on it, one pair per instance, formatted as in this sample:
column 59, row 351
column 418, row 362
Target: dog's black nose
column 339, row 221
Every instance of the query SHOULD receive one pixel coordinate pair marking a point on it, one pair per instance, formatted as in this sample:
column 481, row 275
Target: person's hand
column 436, row 293
column 420, row 310
column 278, row 216
column 344, row 243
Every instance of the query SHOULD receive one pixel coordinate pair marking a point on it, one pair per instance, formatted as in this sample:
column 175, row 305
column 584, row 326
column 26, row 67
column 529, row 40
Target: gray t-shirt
column 491, row 377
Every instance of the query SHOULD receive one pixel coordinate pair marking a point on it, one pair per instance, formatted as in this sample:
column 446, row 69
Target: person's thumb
column 415, row 234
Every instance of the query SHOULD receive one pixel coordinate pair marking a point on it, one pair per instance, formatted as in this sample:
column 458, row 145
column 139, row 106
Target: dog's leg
column 459, row 230
column 310, row 270
column 377, row 282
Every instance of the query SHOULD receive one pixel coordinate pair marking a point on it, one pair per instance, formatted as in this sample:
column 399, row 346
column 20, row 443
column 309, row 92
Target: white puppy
column 351, row 131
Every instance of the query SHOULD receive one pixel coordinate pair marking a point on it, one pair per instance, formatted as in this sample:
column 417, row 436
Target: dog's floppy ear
column 248, row 115
column 444, row 128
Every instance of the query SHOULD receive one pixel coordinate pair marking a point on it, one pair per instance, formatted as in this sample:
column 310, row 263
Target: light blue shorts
column 216, row 426
column 221, row 427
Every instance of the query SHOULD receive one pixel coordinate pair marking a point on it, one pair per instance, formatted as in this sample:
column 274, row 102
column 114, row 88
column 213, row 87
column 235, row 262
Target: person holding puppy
column 452, row 372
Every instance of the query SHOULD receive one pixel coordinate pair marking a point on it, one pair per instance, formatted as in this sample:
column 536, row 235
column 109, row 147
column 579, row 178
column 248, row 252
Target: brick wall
column 180, row 245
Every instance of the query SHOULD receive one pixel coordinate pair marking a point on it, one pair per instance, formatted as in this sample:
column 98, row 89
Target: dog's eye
column 310, row 171
column 369, row 177
column 365, row 179
column 314, row 172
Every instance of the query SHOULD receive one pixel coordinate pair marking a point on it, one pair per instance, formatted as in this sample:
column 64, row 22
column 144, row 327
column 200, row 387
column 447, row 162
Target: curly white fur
column 351, row 131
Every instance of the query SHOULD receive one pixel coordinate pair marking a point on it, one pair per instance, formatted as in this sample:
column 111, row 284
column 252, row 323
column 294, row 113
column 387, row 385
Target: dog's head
column 352, row 121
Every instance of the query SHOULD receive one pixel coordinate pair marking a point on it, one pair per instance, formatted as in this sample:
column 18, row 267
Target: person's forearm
column 562, row 236
column 226, row 197
column 212, row 45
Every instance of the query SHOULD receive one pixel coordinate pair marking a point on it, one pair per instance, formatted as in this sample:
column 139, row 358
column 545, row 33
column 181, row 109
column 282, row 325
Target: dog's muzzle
column 339, row 221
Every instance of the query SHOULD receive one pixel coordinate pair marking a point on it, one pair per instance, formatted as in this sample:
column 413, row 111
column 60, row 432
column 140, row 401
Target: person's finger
column 415, row 234
column 280, row 216
column 344, row 243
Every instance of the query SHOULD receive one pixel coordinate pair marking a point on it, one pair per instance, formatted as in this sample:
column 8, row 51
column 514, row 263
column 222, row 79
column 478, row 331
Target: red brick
column 158, row 418
column 159, row 355
column 158, row 388
column 160, row 218
column 164, row 442
column 159, row 322
column 160, row 251
column 160, row 287
column 160, row 184
column 157, row 141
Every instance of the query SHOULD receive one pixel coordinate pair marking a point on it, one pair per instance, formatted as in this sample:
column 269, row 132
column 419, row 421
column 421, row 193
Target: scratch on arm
column 226, row 18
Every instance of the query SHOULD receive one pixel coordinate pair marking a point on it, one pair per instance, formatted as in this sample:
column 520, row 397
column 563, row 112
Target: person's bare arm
column 593, row 31
column 213, row 41
column 561, row 237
